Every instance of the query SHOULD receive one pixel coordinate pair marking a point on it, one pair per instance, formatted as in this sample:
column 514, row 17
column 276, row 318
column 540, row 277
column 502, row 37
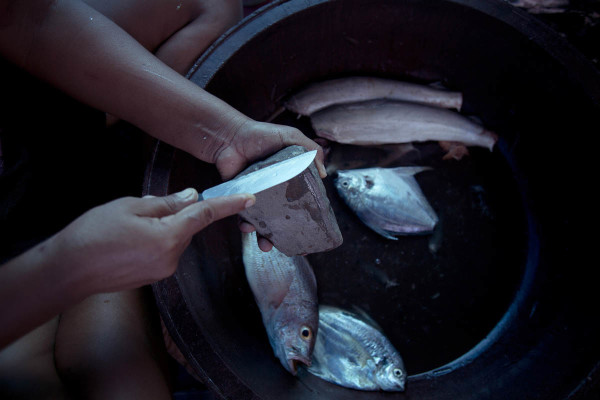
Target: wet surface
column 493, row 304
column 435, row 296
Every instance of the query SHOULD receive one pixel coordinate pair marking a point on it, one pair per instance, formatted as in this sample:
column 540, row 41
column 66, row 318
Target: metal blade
column 264, row 178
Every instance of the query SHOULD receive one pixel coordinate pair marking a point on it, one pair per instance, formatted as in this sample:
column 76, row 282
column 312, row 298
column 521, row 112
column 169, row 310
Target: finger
column 159, row 207
column 197, row 216
column 264, row 244
column 246, row 227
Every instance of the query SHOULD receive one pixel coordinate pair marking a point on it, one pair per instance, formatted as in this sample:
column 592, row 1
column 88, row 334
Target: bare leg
column 110, row 346
column 27, row 366
column 177, row 31
column 180, row 30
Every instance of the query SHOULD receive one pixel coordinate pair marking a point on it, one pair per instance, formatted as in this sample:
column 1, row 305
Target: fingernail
column 323, row 171
column 250, row 202
column 186, row 194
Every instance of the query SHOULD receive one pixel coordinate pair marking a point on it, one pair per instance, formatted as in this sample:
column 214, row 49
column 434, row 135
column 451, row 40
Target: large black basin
column 504, row 306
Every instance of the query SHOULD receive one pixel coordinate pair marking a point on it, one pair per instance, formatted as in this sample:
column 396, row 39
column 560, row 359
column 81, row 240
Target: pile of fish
column 348, row 350
column 374, row 111
column 370, row 111
column 336, row 345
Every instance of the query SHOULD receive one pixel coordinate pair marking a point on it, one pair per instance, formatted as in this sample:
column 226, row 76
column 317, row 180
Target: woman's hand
column 253, row 140
column 120, row 245
column 131, row 242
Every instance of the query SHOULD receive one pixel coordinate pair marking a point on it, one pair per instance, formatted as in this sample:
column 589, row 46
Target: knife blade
column 262, row 179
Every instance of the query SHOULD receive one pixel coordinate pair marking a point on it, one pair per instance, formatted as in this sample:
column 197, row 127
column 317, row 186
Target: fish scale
column 353, row 353
column 378, row 122
column 285, row 290
column 387, row 200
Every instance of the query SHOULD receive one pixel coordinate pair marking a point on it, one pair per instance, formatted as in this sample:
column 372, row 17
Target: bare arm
column 83, row 53
column 121, row 245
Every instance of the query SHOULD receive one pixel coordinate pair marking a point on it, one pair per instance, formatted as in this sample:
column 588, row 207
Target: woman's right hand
column 131, row 242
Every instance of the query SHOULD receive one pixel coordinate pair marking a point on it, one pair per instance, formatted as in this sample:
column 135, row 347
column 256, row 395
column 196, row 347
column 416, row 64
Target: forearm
column 34, row 287
column 77, row 49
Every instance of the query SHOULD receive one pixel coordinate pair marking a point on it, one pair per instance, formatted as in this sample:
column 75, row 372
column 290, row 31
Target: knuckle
column 208, row 214
column 170, row 204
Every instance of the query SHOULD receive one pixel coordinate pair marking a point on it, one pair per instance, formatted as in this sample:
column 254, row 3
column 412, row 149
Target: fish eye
column 398, row 372
column 345, row 183
column 306, row 333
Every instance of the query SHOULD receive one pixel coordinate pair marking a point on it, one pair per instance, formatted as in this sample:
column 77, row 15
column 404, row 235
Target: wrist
column 66, row 268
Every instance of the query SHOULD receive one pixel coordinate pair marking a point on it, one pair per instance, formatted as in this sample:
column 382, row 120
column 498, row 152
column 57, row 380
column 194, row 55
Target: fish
column 285, row 290
column 387, row 200
column 380, row 122
column 352, row 351
column 320, row 95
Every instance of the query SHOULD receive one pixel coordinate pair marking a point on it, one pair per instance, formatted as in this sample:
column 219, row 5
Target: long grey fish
column 385, row 122
column 387, row 200
column 285, row 290
column 323, row 94
column 353, row 352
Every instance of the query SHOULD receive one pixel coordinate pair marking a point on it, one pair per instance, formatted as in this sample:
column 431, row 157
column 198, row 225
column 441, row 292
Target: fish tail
column 491, row 137
column 409, row 171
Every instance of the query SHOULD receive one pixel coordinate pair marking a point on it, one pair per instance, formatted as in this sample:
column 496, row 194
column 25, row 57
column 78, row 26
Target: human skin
column 107, row 62
column 124, row 244
column 110, row 70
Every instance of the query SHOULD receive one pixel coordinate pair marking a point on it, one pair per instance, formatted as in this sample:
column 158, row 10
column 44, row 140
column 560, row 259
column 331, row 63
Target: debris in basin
column 285, row 289
column 352, row 351
column 379, row 122
column 320, row 95
column 387, row 200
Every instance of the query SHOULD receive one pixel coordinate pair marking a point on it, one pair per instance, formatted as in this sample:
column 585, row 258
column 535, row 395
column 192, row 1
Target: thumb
column 199, row 215
column 159, row 207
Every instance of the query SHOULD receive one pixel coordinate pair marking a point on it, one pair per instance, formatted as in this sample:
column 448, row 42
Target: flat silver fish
column 353, row 352
column 320, row 95
column 386, row 122
column 387, row 200
column 285, row 290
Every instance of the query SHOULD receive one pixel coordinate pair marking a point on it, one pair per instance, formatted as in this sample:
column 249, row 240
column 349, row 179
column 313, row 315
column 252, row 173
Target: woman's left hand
column 253, row 140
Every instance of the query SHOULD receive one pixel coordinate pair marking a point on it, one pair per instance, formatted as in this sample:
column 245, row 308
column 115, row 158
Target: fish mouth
column 294, row 361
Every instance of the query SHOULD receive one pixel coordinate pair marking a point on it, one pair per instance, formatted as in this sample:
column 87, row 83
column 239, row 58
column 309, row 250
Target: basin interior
column 435, row 296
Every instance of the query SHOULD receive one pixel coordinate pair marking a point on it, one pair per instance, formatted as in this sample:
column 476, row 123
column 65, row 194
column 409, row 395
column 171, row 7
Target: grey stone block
column 295, row 215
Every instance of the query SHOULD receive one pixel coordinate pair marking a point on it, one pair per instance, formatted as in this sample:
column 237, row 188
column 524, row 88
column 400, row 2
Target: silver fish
column 320, row 95
column 385, row 122
column 387, row 200
column 353, row 352
column 285, row 290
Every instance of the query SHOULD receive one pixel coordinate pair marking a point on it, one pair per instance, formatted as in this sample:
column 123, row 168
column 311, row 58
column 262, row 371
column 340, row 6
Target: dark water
column 435, row 296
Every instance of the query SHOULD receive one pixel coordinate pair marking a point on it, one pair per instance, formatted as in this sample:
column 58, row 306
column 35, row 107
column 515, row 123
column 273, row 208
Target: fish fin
column 382, row 232
column 437, row 85
column 475, row 119
column 409, row 171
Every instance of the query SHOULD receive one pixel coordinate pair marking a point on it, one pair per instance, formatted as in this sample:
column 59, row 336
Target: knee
column 219, row 14
column 107, row 336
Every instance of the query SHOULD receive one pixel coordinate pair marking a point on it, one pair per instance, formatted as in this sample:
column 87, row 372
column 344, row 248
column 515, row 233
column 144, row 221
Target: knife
column 262, row 179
